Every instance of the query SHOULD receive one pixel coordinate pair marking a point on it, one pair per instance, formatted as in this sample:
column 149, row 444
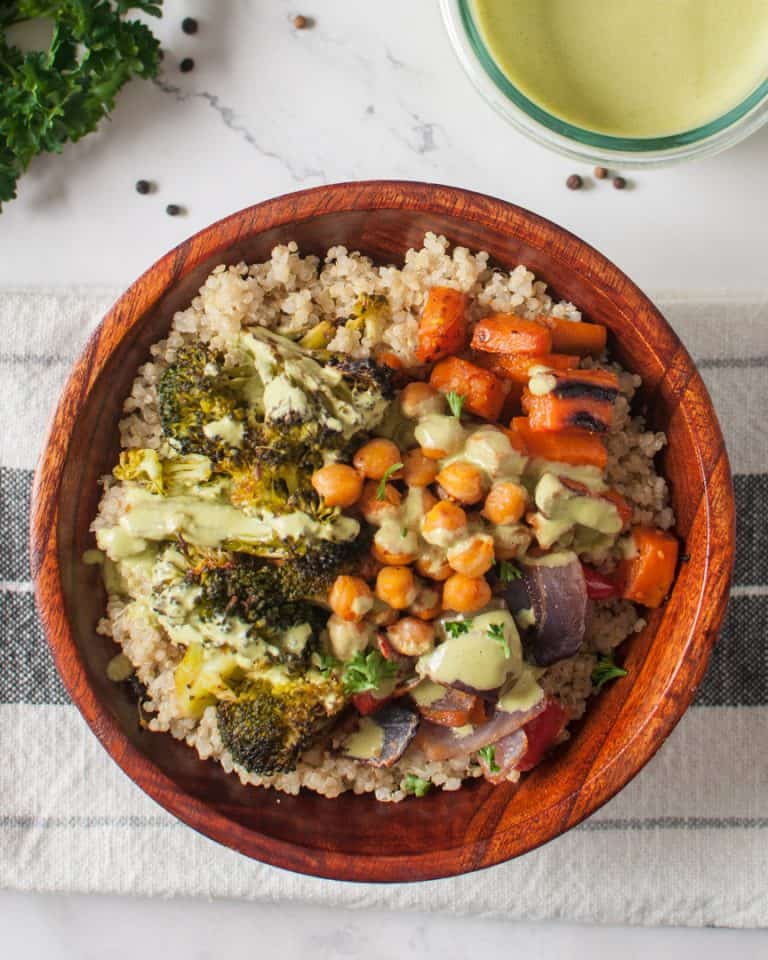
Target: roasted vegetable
column 517, row 367
column 444, row 743
column 577, row 447
column 272, row 722
column 499, row 759
column 570, row 336
column 648, row 573
column 557, row 596
column 483, row 392
column 173, row 476
column 507, row 333
column 381, row 740
column 555, row 400
column 442, row 326
column 542, row 733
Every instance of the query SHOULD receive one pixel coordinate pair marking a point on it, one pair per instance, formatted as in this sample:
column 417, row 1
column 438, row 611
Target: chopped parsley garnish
column 328, row 663
column 366, row 671
column 496, row 632
column 416, row 786
column 605, row 670
column 509, row 571
column 404, row 532
column 456, row 402
column 456, row 628
column 381, row 492
column 489, row 755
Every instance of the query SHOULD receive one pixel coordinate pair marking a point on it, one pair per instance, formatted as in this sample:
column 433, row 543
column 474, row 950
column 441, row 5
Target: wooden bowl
column 357, row 838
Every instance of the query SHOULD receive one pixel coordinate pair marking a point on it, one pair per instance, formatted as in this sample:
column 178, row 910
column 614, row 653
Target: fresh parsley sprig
column 456, row 403
column 496, row 632
column 367, row 671
column 51, row 97
column 381, row 490
column 456, row 628
column 605, row 669
column 416, row 786
column 509, row 571
column 489, row 755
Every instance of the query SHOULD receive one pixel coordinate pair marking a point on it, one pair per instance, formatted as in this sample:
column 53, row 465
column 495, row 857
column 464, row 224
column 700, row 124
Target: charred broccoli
column 271, row 723
column 269, row 423
column 195, row 393
column 166, row 477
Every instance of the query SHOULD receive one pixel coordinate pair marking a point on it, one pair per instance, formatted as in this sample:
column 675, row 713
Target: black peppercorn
column 189, row 25
column 143, row 186
column 187, row 64
column 619, row 183
column 173, row 210
column 574, row 182
column 300, row 22
column 601, row 172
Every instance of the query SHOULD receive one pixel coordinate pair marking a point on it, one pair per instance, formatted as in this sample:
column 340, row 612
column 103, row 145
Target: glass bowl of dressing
column 632, row 82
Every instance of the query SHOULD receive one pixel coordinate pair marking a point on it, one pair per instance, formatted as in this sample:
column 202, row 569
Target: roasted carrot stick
column 574, row 398
column 517, row 368
column 443, row 325
column 647, row 576
column 570, row 336
column 578, row 447
column 483, row 391
column 505, row 333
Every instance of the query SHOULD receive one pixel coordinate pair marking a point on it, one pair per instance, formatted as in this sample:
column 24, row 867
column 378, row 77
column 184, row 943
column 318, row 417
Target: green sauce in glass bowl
column 635, row 81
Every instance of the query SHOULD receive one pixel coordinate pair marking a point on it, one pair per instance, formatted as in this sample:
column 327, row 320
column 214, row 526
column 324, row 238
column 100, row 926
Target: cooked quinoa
column 293, row 294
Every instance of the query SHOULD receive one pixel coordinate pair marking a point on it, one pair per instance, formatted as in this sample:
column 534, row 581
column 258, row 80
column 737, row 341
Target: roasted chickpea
column 419, row 399
column 394, row 545
column 465, row 594
column 382, row 614
column 411, row 637
column 350, row 598
column 376, row 457
column 337, row 485
column 511, row 540
column 396, row 586
column 347, row 637
column 376, row 510
column 505, row 502
column 433, row 565
column 473, row 556
column 418, row 470
column 462, row 481
column 443, row 524
column 428, row 603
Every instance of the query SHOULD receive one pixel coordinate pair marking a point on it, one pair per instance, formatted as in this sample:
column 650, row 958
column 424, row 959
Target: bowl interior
column 357, row 837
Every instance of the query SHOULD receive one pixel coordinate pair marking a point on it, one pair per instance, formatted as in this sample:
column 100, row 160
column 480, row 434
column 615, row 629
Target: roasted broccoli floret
column 272, row 598
column 269, row 423
column 194, row 394
column 364, row 376
column 270, row 724
column 141, row 466
column 173, row 476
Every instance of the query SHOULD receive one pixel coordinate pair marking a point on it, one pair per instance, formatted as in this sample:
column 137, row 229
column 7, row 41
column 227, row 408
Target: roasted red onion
column 443, row 743
column 558, row 597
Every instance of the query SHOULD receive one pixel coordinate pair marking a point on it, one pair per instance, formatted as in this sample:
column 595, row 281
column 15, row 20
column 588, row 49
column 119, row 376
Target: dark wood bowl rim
column 452, row 860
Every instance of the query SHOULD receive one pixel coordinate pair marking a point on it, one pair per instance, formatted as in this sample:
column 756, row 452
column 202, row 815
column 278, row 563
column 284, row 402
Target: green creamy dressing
column 562, row 510
column 524, row 694
column 367, row 742
column 476, row 658
column 629, row 68
column 151, row 517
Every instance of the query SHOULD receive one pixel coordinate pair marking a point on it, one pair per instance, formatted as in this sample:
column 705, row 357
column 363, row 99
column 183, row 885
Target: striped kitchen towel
column 685, row 843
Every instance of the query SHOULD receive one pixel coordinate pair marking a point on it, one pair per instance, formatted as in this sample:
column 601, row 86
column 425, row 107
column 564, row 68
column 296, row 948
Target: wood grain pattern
column 356, row 838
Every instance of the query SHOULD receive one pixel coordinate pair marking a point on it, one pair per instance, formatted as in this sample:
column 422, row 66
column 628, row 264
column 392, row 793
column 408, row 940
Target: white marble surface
column 373, row 90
